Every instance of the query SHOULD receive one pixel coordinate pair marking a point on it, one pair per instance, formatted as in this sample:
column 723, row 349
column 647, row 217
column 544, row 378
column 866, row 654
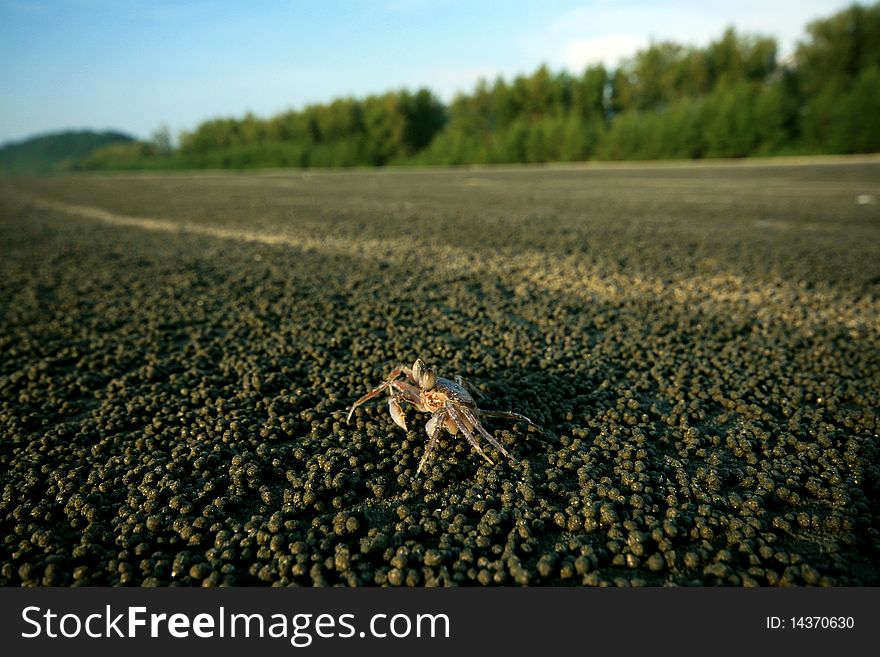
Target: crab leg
column 511, row 416
column 396, row 372
column 462, row 425
column 439, row 418
column 375, row 391
column 402, row 392
column 479, row 427
column 475, row 392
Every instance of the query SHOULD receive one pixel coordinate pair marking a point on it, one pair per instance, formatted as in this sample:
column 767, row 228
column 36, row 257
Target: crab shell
column 431, row 401
column 435, row 399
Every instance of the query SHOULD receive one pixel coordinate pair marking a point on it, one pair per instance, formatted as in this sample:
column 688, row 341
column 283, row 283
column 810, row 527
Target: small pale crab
column 451, row 406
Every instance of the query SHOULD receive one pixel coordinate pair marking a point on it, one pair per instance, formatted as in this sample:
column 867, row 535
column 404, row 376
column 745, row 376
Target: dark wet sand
column 701, row 345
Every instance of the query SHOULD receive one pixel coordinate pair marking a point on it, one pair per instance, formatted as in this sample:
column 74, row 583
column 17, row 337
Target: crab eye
column 427, row 380
column 417, row 369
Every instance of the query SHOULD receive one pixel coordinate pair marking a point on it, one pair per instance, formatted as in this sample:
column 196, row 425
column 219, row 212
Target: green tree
column 588, row 93
column 651, row 78
column 733, row 58
column 836, row 74
column 838, row 49
column 775, row 117
column 129, row 155
column 731, row 128
column 424, row 115
column 161, row 139
column 845, row 118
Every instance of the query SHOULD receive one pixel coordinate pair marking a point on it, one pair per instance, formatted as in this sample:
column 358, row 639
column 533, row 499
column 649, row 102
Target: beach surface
column 700, row 345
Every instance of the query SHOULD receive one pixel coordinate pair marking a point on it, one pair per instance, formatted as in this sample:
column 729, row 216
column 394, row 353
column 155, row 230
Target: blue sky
column 134, row 65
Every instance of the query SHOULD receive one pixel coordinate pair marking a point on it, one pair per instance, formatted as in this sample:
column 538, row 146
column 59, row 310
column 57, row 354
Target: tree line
column 732, row 98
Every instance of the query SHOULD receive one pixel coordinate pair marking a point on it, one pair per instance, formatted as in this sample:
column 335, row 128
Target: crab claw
column 432, row 423
column 397, row 413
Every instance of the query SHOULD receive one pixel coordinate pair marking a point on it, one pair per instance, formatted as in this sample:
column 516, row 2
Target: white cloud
column 606, row 31
column 448, row 82
column 607, row 50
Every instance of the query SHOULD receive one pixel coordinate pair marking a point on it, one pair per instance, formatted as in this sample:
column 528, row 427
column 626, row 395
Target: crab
column 450, row 404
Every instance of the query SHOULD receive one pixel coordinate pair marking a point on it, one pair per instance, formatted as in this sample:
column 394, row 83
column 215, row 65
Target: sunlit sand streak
column 780, row 300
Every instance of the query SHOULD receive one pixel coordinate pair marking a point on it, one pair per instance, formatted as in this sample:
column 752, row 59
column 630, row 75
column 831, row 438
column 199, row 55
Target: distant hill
column 59, row 151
